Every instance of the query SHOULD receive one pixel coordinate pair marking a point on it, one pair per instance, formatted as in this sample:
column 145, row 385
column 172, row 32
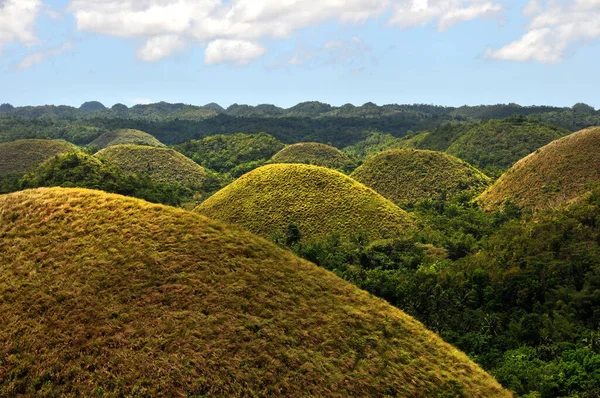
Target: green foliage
column 315, row 154
column 407, row 176
column 557, row 173
column 103, row 294
column 319, row 201
column 78, row 170
column 235, row 154
column 124, row 136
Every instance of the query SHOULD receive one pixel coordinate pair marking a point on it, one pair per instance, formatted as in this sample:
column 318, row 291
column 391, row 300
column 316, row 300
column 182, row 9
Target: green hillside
column 407, row 176
column 551, row 176
column 319, row 201
column 134, row 299
column 18, row 157
column 493, row 145
column 125, row 136
column 161, row 164
column 315, row 154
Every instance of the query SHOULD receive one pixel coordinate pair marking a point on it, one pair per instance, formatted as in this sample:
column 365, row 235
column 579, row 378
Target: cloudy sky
column 448, row 52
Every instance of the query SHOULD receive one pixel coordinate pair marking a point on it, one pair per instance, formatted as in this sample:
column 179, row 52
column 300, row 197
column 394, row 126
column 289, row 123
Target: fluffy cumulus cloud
column 17, row 21
column 553, row 29
column 233, row 30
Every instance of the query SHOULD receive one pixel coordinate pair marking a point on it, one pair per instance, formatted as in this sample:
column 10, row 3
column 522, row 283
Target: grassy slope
column 408, row 176
column 319, row 201
column 18, row 157
column 313, row 153
column 163, row 165
column 554, row 174
column 103, row 294
column 125, row 136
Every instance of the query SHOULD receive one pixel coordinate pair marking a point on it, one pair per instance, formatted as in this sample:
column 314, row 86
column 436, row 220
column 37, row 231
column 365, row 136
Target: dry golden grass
column 161, row 164
column 19, row 157
column 318, row 200
column 551, row 176
column 102, row 295
column 408, row 176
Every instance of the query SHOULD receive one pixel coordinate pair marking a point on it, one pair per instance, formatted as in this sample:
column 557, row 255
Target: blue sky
column 446, row 52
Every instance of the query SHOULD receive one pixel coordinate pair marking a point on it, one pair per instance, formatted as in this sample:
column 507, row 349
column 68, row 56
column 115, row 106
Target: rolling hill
column 135, row 299
column 19, row 157
column 161, row 164
column 315, row 154
column 125, row 136
column 319, row 201
column 407, row 176
column 555, row 174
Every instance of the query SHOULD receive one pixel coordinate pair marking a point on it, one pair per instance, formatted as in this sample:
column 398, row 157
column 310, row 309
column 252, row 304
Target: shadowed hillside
column 161, row 164
column 125, row 136
column 315, row 154
column 18, row 157
column 407, row 176
column 319, row 201
column 135, row 299
column 551, row 176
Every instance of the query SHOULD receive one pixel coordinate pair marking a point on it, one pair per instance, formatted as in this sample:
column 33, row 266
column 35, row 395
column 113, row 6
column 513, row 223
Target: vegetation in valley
column 19, row 157
column 233, row 154
column 315, row 154
column 305, row 201
column 161, row 164
column 408, row 176
column 555, row 174
column 107, row 295
column 124, row 136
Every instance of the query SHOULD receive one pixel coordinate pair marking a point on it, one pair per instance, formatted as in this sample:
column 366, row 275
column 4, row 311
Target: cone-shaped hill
column 147, row 300
column 553, row 175
column 319, row 201
column 408, row 176
column 18, row 157
column 161, row 164
column 125, row 136
column 315, row 154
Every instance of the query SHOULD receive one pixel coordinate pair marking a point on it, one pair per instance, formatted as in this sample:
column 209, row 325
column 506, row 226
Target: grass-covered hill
column 161, row 164
column 408, row 176
column 492, row 145
column 315, row 154
column 553, row 175
column 125, row 136
column 18, row 157
column 104, row 295
column 317, row 200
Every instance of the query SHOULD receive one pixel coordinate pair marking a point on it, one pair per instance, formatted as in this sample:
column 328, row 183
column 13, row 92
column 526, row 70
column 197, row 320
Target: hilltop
column 161, row 164
column 315, row 154
column 551, row 176
column 141, row 299
column 319, row 201
column 407, row 176
column 125, row 136
column 18, row 157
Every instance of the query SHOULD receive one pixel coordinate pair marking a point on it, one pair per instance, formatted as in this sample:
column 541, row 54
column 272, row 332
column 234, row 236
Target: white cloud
column 234, row 51
column 219, row 23
column 17, row 20
column 160, row 47
column 554, row 28
column 40, row 56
